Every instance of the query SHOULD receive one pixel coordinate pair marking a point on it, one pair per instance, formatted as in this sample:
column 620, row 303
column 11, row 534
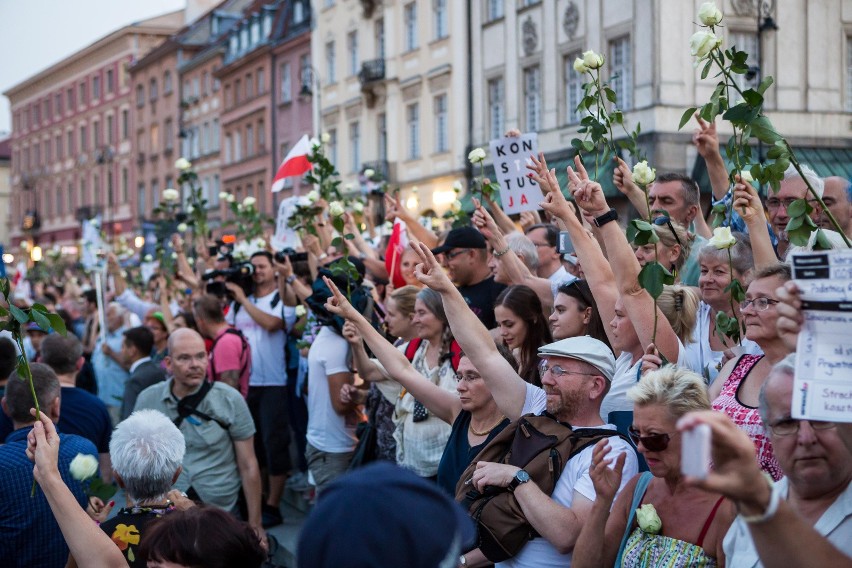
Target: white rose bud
column 643, row 175
column 746, row 176
column 648, row 519
column 358, row 207
column 456, row 206
column 300, row 311
column 83, row 466
column 191, row 261
column 702, row 43
column 313, row 196
column 240, row 207
column 230, row 198
column 148, row 258
column 223, row 195
column 249, row 201
column 170, row 194
column 124, row 274
column 182, row 228
column 722, row 238
column 368, row 173
column 183, row 164
column 457, row 186
column 476, row 156
column 314, row 143
column 189, row 209
column 325, row 137
column 593, row 60
column 174, row 256
column 348, row 187
column 335, row 209
column 709, row 14
column 580, row 66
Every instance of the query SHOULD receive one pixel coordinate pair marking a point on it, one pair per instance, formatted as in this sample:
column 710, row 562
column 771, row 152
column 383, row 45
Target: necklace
column 475, row 433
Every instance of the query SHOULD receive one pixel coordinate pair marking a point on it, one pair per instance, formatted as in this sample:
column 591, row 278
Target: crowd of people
column 548, row 393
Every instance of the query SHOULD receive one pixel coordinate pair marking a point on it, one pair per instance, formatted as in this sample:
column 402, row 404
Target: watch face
column 522, row 476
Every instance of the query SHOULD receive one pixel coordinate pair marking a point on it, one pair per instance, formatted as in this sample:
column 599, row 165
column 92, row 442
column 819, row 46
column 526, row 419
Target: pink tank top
column 747, row 418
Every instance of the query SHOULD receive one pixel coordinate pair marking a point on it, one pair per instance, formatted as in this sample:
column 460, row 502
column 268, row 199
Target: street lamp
column 311, row 86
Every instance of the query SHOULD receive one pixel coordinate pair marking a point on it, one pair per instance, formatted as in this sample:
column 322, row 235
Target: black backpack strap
column 584, row 437
column 187, row 406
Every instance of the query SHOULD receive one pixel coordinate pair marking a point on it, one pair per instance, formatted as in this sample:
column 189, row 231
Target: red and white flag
column 393, row 255
column 295, row 164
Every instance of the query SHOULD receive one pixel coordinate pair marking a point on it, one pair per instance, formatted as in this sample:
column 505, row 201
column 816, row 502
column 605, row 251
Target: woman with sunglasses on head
column 737, row 388
column 575, row 313
column 471, row 410
column 673, row 246
column 523, row 328
column 706, row 353
column 688, row 524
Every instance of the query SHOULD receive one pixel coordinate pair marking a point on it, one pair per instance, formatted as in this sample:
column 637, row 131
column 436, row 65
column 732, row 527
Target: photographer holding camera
column 260, row 316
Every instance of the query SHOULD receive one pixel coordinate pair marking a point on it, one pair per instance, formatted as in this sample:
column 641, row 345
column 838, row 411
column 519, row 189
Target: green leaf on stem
column 803, row 226
column 718, row 214
column 653, row 277
column 41, row 320
column 762, row 129
column 736, row 289
column 57, row 323
column 19, row 314
column 822, row 242
column 765, row 84
column 799, row 208
column 687, row 116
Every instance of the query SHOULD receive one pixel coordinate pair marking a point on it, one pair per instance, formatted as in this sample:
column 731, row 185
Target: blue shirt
column 110, row 375
column 736, row 222
column 29, row 534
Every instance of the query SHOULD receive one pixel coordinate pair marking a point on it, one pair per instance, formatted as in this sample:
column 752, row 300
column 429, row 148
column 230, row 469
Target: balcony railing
column 372, row 71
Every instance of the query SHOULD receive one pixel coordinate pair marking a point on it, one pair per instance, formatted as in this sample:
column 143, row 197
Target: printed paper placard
column 510, row 157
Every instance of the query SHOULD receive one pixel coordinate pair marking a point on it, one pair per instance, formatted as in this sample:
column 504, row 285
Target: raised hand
column 483, row 221
column 337, row 303
column 747, row 203
column 606, row 479
column 429, row 271
column 651, row 360
column 705, row 138
column 588, row 194
column 529, row 218
column 350, row 333
column 790, row 315
column 622, row 178
column 43, row 448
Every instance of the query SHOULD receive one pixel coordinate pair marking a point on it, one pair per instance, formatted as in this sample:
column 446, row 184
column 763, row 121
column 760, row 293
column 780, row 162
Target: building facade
column 72, row 142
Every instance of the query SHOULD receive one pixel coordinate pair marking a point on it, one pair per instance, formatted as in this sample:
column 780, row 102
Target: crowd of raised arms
column 472, row 397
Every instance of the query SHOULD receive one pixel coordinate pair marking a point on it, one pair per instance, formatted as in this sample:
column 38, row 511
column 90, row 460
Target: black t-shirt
column 480, row 298
column 127, row 528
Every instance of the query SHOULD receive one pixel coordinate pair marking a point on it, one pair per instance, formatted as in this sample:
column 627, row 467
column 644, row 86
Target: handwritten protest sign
column 510, row 157
column 823, row 385
column 284, row 236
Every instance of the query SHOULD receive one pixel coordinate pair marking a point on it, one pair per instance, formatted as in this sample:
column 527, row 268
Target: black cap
column 462, row 237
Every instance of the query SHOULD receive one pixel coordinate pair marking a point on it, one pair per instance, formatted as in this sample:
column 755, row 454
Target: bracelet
column 499, row 253
column 323, row 256
column 462, row 560
column 771, row 508
column 290, row 279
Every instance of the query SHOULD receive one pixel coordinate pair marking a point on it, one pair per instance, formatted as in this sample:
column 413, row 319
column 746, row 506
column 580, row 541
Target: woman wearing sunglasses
column 737, row 388
column 471, row 410
column 575, row 313
column 673, row 248
column 688, row 524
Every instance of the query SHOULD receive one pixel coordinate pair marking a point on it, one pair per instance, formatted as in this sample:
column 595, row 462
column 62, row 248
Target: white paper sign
column 284, row 236
column 510, row 157
column 823, row 385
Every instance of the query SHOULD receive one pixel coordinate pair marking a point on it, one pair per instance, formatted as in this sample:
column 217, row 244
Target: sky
column 35, row 34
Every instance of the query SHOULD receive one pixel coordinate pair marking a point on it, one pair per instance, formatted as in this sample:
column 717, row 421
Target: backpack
column 540, row 445
column 243, row 354
column 455, row 351
column 188, row 406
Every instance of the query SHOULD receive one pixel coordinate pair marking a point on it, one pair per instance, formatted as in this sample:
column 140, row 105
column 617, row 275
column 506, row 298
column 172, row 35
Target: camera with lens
column 240, row 274
column 290, row 253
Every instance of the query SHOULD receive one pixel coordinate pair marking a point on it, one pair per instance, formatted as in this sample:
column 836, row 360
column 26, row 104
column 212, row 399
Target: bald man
column 838, row 200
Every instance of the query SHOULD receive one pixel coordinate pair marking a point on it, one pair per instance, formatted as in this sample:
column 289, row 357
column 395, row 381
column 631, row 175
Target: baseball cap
column 461, row 237
column 33, row 326
column 583, row 348
column 384, row 515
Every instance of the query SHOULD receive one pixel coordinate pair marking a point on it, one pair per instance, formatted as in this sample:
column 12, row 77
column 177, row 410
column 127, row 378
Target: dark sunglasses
column 583, row 292
column 665, row 220
column 652, row 442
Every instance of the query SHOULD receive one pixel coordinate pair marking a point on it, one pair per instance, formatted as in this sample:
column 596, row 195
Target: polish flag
column 396, row 245
column 295, row 164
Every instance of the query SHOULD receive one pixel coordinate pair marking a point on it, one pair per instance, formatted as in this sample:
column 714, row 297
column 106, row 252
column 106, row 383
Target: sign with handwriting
column 510, row 156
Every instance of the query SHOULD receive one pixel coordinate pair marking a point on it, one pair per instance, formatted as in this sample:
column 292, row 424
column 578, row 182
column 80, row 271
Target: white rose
column 83, row 466
column 358, row 207
column 648, row 519
column 368, row 173
column 170, row 194
column 335, row 209
column 722, row 238
column 240, row 207
column 457, row 186
column 702, row 43
column 191, row 261
column 709, row 14
column 325, row 137
column 174, row 256
column 189, row 209
column 148, row 258
column 300, row 311
column 456, row 206
column 182, row 228
column 580, row 66
column 476, row 156
column 746, row 176
column 223, row 195
column 348, row 187
column 643, row 175
column 230, row 198
column 249, row 201
column 124, row 274
column 593, row 60
column 183, row 164
column 313, row 196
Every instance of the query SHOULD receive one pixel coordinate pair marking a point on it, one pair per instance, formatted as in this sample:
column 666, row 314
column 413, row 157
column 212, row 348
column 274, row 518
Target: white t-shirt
column 626, row 375
column 327, row 430
column 700, row 357
column 267, row 348
column 539, row 553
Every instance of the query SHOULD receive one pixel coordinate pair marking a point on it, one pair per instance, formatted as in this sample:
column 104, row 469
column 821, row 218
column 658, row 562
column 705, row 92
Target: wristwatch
column 611, row 215
column 521, row 477
column 290, row 279
column 462, row 560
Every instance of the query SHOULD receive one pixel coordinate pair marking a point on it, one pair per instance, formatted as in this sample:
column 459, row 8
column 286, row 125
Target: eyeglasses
column 557, row 371
column 470, row 377
column 652, row 442
column 760, row 304
column 789, row 426
column 666, row 220
column 452, row 255
column 775, row 203
column 543, row 245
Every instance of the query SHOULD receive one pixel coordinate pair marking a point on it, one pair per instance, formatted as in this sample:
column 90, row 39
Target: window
column 82, row 93
column 228, row 149
column 529, row 2
column 442, row 135
column 238, row 85
column 84, row 139
column 332, row 146
column 261, row 81
column 167, row 83
column 57, row 104
column 621, row 78
column 410, row 17
column 69, row 138
column 196, row 91
column 155, row 191
column 261, row 135
column 125, row 124
column 382, row 135
column 439, row 13
column 58, row 143
column 329, row 63
column 125, row 185
column 355, row 146
column 215, row 135
column 155, row 138
column 140, row 96
column 96, row 134
column 195, row 138
column 493, row 9
column 214, row 197
column 110, row 133
column 496, row 118
column 352, row 49
column 169, row 132
column 305, row 71
column 141, row 198
column 238, row 146
column 286, row 91
column 69, row 99
column 110, row 81
column 849, row 74
column 750, row 43
column 249, row 86
column 249, row 141
column 60, row 201
column 532, row 98
column 380, row 38
column 412, row 113
column 125, row 74
column 205, row 83
column 299, row 12
column 96, row 87
column 573, row 89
